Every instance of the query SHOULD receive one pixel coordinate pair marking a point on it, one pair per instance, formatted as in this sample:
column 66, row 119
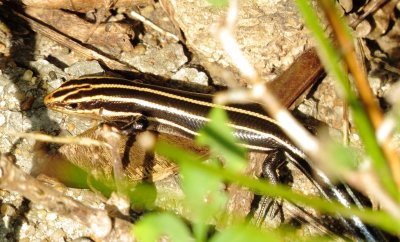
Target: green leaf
column 244, row 233
column 219, row 137
column 340, row 157
column 219, row 3
column 142, row 195
column 378, row 218
column 152, row 226
column 204, row 197
column 204, row 192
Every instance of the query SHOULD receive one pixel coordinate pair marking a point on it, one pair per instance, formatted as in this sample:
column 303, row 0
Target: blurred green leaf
column 341, row 157
column 219, row 137
column 142, row 195
column 219, row 3
column 244, row 233
column 378, row 218
column 204, row 192
column 204, row 197
column 152, row 226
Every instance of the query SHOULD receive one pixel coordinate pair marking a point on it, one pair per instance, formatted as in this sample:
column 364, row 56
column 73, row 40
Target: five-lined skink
column 183, row 113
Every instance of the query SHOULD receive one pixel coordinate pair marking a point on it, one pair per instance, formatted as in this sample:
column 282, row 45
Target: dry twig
column 262, row 94
column 147, row 22
column 80, row 49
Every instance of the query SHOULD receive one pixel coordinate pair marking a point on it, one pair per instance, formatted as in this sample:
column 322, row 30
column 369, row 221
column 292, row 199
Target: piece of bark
column 300, row 76
column 240, row 198
column 85, row 5
column 114, row 37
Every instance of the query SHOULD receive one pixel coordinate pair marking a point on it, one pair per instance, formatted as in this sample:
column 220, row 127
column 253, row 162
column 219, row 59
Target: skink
column 183, row 113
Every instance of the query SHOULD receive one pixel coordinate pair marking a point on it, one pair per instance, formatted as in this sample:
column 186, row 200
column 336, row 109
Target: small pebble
column 363, row 29
column 2, row 48
column 53, row 75
column 83, row 68
column 27, row 76
column 347, row 5
column 26, row 104
column 51, row 216
column 71, row 127
column 139, row 49
column 58, row 235
column 8, row 209
column 41, row 214
column 26, row 239
column 192, row 75
column 2, row 121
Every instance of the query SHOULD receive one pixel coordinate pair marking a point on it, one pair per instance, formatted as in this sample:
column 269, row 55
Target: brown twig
column 80, row 49
column 152, row 25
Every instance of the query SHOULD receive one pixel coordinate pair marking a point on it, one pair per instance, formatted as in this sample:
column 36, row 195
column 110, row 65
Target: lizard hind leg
column 275, row 171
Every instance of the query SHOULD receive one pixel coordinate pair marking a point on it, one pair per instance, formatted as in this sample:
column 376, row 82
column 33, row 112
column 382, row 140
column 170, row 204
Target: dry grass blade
column 61, row 140
column 260, row 93
column 365, row 93
column 147, row 22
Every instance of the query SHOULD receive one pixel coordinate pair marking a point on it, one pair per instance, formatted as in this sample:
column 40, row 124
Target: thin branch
column 224, row 33
column 260, row 92
column 60, row 140
column 152, row 25
column 69, row 43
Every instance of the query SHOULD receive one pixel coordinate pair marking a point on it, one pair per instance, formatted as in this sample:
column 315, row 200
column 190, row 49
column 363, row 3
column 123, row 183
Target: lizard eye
column 71, row 106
